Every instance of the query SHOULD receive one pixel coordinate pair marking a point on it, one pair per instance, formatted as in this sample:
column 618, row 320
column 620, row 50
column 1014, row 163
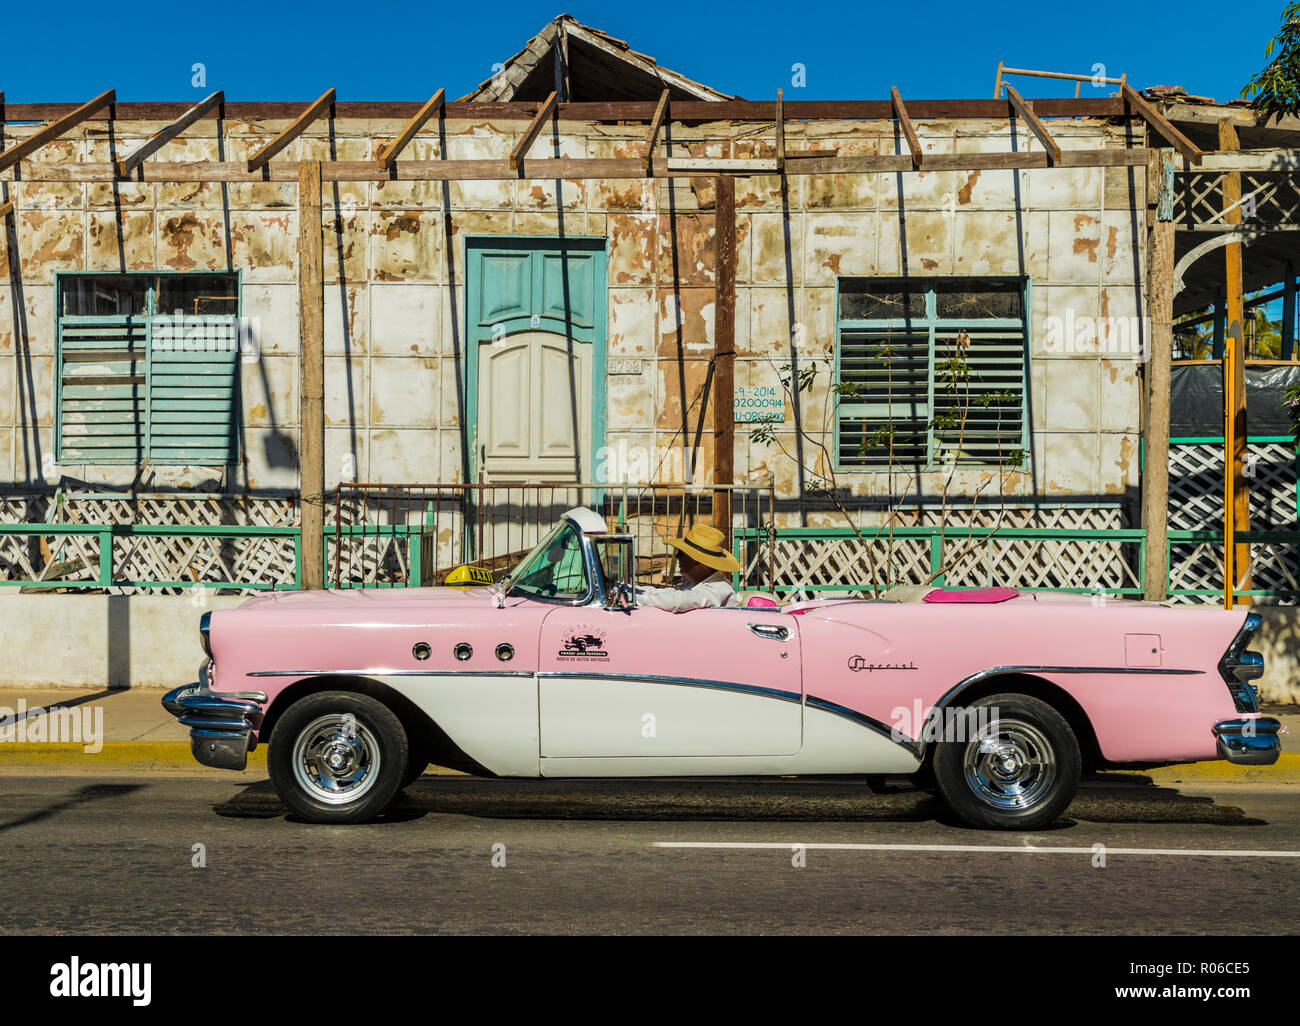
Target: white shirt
column 714, row 590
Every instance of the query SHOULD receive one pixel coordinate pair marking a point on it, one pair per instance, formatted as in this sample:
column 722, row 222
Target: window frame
column 61, row 279
column 932, row 325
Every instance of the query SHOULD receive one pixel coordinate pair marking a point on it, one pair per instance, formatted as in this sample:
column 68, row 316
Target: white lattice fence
column 167, row 564
column 1196, row 504
column 973, row 548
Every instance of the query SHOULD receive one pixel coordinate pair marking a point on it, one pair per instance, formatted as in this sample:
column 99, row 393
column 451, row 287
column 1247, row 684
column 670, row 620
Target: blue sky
column 270, row 51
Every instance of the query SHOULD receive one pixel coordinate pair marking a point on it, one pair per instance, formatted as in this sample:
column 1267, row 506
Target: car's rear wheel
column 1017, row 768
column 338, row 757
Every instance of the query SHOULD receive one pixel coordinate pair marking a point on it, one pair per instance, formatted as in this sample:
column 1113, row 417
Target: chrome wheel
column 336, row 759
column 1010, row 765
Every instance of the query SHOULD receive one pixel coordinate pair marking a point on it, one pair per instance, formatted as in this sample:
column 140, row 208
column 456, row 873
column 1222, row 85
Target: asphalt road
column 115, row 856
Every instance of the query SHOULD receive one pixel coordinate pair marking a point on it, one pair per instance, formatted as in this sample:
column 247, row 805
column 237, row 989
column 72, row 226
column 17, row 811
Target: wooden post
column 724, row 327
column 1236, row 487
column 1288, row 314
column 1155, row 425
column 311, row 448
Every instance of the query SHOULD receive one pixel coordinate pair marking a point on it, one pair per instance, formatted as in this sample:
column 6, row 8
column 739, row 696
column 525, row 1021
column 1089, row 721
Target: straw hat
column 703, row 543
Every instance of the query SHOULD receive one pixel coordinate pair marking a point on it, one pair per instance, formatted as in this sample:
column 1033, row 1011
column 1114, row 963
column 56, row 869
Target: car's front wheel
column 338, row 757
column 1015, row 767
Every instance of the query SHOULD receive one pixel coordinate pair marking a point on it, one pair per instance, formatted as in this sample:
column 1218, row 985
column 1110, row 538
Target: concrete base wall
column 96, row 641
column 1278, row 642
column 90, row 641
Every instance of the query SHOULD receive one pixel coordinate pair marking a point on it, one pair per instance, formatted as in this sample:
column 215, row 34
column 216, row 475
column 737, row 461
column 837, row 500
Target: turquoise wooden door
column 535, row 357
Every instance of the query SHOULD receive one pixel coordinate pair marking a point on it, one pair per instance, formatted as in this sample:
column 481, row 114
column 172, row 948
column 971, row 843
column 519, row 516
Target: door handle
column 771, row 631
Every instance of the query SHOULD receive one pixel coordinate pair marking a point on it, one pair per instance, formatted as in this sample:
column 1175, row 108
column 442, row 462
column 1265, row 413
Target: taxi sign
column 468, row 576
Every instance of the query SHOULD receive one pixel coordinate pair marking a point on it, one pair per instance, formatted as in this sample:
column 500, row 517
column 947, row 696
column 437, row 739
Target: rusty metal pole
column 724, row 327
column 311, row 448
column 1236, row 486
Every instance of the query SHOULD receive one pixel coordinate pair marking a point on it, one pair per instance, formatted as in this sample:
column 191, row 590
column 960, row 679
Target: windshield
column 553, row 570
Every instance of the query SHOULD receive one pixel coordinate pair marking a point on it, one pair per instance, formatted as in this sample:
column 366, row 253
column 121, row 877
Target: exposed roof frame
column 52, row 131
column 656, row 125
column 544, row 112
column 1161, row 124
column 905, row 123
column 1022, row 108
column 644, row 63
column 298, row 126
column 780, row 131
column 6, row 208
column 387, row 153
column 558, row 32
column 159, row 139
column 757, row 111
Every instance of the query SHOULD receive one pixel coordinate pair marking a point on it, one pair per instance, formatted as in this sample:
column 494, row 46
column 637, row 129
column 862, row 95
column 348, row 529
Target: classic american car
column 997, row 700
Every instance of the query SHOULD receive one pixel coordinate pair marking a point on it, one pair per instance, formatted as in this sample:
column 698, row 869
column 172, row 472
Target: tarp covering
column 1196, row 400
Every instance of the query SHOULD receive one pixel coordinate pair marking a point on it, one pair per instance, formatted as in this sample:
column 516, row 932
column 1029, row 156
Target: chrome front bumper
column 1252, row 742
column 221, row 724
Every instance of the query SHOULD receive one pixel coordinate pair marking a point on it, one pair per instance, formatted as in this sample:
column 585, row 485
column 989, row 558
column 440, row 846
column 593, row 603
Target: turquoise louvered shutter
column 193, row 391
column 102, row 389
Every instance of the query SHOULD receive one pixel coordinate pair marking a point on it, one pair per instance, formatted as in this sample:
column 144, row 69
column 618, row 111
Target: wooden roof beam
column 780, row 131
column 299, row 125
column 55, row 129
column 656, row 125
column 1161, row 124
column 159, row 139
column 900, row 112
column 532, row 131
column 1039, row 129
column 6, row 209
column 386, row 154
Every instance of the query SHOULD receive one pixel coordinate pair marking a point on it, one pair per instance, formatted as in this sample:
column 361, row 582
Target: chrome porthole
column 463, row 651
column 1009, row 765
column 505, row 652
column 421, row 651
column 336, row 759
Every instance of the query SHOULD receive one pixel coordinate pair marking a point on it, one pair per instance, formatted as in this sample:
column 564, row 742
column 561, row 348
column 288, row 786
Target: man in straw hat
column 706, row 573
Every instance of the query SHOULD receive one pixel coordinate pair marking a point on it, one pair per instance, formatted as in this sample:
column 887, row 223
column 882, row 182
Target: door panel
column 532, row 388
column 654, row 683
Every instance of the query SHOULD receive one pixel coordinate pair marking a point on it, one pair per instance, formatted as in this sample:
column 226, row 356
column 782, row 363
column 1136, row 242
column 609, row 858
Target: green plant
column 1276, row 89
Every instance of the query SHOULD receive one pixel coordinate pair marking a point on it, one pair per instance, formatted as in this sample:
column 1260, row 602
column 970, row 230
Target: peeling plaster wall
column 394, row 292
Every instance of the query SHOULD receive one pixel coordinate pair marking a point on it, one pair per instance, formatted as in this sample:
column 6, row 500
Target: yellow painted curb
column 1285, row 771
column 127, row 756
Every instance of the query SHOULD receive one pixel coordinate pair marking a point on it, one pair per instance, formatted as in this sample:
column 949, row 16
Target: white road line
column 1027, row 849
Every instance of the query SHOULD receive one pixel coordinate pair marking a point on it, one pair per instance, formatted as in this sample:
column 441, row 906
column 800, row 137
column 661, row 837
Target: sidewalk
column 139, row 735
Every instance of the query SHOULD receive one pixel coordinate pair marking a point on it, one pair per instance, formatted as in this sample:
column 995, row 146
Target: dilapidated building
column 882, row 340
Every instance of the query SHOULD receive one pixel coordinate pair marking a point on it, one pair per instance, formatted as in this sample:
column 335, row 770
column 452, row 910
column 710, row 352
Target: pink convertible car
column 998, row 700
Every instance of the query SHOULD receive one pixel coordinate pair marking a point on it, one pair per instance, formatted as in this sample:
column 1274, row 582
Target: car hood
column 369, row 598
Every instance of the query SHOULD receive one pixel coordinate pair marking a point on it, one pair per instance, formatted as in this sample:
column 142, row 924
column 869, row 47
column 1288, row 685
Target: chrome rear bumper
column 1252, row 742
column 221, row 724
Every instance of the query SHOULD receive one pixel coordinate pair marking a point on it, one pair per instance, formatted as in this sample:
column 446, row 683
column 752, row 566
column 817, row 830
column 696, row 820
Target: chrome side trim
column 692, row 682
column 993, row 671
column 863, row 720
column 374, row 672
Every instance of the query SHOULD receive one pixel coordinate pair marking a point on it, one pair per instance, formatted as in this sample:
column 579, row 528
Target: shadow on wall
column 1278, row 642
column 117, row 672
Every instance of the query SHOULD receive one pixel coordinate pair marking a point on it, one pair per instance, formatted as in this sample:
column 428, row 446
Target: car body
column 999, row 698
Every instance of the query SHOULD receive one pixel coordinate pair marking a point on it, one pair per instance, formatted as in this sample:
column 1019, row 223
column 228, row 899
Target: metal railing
column 386, row 535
